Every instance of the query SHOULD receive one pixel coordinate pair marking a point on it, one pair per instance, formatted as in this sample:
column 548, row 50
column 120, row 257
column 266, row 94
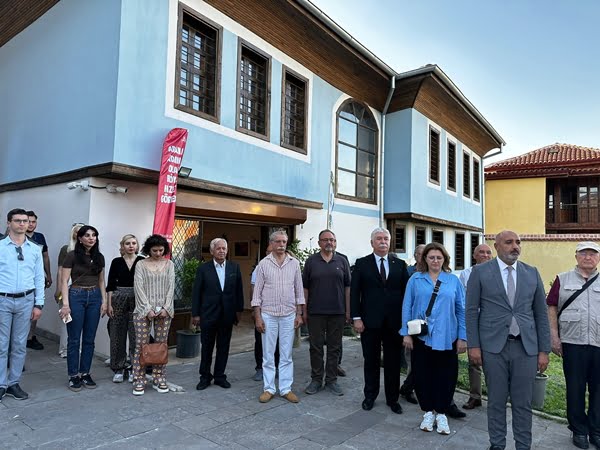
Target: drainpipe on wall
column 382, row 146
column 483, row 190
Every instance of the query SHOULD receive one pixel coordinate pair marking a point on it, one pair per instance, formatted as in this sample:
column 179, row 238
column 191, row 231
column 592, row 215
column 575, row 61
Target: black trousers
column 258, row 351
column 435, row 376
column 371, row 340
column 325, row 329
column 581, row 366
column 221, row 333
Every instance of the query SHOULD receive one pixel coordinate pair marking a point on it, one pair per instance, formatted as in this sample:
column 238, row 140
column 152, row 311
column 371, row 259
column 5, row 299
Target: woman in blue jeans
column 83, row 302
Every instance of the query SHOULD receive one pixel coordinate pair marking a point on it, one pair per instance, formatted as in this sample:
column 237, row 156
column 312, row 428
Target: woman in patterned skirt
column 121, row 303
column 154, row 284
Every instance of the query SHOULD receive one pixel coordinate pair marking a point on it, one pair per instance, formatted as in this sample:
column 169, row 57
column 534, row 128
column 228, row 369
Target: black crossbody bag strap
column 433, row 297
column 572, row 298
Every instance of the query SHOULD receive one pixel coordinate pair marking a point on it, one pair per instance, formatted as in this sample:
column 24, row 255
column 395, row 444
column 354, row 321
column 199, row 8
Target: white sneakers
column 428, row 420
column 118, row 377
column 441, row 423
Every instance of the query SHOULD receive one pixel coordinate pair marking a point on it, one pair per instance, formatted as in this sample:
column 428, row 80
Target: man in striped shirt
column 278, row 301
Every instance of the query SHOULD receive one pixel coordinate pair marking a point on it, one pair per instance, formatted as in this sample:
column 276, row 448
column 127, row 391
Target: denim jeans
column 15, row 314
column 85, row 311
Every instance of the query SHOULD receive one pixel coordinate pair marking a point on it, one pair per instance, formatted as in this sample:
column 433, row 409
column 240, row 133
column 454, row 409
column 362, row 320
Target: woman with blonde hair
column 121, row 303
column 62, row 346
column 154, row 286
column 437, row 296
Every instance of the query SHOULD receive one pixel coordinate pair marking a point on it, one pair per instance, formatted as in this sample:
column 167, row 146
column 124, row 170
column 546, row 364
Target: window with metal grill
column 356, row 156
column 476, row 181
column 400, row 238
column 459, row 251
column 451, row 166
column 466, row 175
column 197, row 78
column 437, row 236
column 420, row 235
column 434, row 156
column 293, row 113
column 253, row 92
column 474, row 243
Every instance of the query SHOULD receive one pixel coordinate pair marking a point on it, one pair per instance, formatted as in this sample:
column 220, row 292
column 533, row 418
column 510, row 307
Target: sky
column 531, row 67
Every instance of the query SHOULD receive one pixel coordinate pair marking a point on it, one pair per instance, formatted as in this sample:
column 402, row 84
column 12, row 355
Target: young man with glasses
column 21, row 299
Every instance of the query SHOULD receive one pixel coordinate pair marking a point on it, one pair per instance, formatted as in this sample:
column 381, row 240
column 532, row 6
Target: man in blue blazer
column 376, row 293
column 508, row 332
column 217, row 302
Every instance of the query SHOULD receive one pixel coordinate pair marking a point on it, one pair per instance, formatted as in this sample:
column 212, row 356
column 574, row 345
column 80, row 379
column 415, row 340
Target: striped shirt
column 278, row 289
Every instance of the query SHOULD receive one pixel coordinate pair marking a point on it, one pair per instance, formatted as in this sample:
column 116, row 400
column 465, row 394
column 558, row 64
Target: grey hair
column 380, row 230
column 277, row 233
column 215, row 241
column 417, row 249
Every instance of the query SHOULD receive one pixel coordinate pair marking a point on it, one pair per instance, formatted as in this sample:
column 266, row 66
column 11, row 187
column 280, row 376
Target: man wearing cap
column 574, row 315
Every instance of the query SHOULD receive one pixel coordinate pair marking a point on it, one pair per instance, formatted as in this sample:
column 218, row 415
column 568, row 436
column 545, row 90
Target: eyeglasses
column 435, row 258
column 20, row 256
column 20, row 220
column 328, row 240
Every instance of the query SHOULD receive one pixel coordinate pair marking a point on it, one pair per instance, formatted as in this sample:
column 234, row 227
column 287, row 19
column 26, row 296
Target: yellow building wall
column 518, row 205
column 550, row 257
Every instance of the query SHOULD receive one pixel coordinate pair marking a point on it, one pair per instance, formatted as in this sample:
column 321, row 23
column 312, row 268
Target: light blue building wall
column 406, row 173
column 57, row 94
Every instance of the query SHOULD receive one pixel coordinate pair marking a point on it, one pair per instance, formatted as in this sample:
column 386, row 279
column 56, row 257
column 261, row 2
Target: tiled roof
column 552, row 160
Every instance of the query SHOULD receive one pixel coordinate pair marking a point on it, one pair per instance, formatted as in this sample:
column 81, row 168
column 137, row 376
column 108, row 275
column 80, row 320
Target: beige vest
column 580, row 322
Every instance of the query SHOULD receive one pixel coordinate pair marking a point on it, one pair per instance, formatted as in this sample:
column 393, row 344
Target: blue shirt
column 447, row 320
column 20, row 276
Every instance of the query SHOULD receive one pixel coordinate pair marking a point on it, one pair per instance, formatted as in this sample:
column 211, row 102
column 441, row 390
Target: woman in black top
column 121, row 303
column 83, row 301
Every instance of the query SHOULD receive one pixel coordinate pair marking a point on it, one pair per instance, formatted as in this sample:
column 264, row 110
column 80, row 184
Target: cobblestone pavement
column 111, row 417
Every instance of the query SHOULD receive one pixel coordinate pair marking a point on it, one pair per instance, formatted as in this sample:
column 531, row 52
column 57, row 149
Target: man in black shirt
column 326, row 282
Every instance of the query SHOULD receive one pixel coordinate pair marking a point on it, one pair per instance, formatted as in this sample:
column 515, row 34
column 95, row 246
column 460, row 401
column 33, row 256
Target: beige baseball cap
column 588, row 245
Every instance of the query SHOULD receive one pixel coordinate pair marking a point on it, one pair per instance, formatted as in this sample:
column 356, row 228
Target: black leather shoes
column 455, row 413
column 223, row 383
column 472, row 403
column 580, row 441
column 203, row 384
column 595, row 440
column 409, row 397
column 496, row 447
column 395, row 407
column 367, row 404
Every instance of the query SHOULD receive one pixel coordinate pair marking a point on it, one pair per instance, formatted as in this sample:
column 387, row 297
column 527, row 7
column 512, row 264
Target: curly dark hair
column 423, row 267
column 156, row 240
column 95, row 255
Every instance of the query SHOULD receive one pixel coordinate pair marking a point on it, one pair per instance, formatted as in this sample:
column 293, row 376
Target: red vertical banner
column 172, row 154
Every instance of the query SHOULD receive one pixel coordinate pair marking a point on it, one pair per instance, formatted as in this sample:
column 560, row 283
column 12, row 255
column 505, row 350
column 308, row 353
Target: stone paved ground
column 111, row 417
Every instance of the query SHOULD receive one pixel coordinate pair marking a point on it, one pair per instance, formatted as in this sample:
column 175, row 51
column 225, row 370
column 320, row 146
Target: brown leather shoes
column 265, row 397
column 472, row 403
column 291, row 397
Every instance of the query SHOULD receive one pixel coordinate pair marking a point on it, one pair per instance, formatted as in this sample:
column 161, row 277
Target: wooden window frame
column 466, row 176
column 376, row 163
column 476, row 179
column 433, row 232
column 241, row 45
column 432, row 131
column 395, row 246
column 417, row 229
column 451, row 172
column 472, row 247
column 186, row 10
column 285, row 71
column 459, row 258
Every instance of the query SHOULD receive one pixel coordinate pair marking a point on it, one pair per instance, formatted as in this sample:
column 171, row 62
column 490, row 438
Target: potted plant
column 188, row 339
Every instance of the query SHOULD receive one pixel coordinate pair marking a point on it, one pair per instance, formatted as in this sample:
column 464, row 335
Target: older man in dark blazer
column 508, row 332
column 376, row 293
column 217, row 301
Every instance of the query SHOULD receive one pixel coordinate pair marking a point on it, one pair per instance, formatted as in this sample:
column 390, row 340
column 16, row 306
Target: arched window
column 356, row 153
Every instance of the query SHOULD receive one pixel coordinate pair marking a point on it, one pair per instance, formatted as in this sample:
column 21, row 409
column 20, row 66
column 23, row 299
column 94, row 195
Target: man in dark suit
column 217, row 302
column 508, row 332
column 376, row 293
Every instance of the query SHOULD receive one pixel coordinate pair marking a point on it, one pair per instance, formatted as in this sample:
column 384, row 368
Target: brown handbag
column 156, row 354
